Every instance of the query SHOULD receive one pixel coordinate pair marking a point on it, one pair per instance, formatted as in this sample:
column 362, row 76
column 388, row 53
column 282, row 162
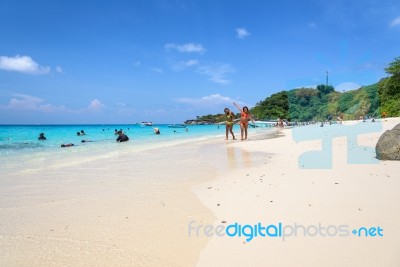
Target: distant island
column 377, row 100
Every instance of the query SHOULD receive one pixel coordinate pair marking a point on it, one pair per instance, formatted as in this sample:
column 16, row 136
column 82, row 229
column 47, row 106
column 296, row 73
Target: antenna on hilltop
column 327, row 74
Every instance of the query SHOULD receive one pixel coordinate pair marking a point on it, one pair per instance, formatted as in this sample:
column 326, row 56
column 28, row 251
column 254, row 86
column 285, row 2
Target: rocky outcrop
column 388, row 146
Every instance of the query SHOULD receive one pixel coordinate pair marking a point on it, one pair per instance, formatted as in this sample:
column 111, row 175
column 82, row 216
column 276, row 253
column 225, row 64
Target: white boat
column 146, row 123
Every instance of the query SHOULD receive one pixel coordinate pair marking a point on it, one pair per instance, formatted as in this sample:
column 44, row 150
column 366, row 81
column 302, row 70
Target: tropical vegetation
column 381, row 99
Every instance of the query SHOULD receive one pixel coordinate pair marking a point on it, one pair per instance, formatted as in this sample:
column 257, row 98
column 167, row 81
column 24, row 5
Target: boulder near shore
column 388, row 146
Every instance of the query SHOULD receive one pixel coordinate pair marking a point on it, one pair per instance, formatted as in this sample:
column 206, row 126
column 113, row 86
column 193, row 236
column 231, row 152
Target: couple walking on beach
column 244, row 121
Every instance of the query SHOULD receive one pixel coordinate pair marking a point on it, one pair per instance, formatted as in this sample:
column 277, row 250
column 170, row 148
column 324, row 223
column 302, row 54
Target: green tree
column 389, row 90
column 394, row 67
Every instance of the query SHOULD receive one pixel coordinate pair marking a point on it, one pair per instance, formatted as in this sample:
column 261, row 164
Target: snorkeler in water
column 41, row 137
column 67, row 145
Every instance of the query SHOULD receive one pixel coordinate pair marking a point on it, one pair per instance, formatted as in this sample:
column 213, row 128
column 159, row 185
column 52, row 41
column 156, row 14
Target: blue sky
column 168, row 61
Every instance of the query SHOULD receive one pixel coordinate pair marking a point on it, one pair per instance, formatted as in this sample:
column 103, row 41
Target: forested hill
column 306, row 104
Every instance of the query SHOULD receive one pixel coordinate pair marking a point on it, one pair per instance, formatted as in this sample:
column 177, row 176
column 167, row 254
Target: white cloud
column 241, row 33
column 59, row 70
column 158, row 70
column 185, row 64
column 190, row 62
column 24, row 102
column 24, row 64
column 217, row 72
column 27, row 102
column 211, row 100
column 312, row 25
column 395, row 22
column 347, row 86
column 96, row 105
column 186, row 48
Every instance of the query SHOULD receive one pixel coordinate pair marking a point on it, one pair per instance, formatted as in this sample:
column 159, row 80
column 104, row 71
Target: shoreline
column 50, row 155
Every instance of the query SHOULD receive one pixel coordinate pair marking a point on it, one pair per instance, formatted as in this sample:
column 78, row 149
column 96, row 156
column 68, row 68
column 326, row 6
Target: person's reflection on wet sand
column 246, row 158
column 230, row 153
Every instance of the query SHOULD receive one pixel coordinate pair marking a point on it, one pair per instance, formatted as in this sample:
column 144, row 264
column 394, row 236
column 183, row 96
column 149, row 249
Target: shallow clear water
column 20, row 149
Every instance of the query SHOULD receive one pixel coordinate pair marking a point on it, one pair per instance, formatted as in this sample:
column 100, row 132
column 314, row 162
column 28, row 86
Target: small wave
column 19, row 146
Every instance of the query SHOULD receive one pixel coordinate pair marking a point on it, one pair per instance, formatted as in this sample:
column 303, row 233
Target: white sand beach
column 357, row 195
column 134, row 208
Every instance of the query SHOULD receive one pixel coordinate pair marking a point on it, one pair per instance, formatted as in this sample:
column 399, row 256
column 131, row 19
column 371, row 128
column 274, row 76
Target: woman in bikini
column 244, row 120
column 229, row 123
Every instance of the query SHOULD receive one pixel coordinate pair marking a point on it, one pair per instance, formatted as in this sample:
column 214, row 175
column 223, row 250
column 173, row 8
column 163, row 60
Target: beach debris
column 309, row 205
column 218, row 204
column 359, row 209
column 209, row 187
column 336, row 183
column 247, row 174
column 223, row 221
column 271, row 201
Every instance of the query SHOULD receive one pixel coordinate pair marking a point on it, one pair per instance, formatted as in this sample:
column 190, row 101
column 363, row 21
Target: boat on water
column 146, row 123
column 177, row 126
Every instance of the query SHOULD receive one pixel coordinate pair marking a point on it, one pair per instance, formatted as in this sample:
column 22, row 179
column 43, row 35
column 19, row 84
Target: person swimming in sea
column 122, row 137
column 229, row 123
column 244, row 120
column 41, row 137
column 67, row 145
column 156, row 130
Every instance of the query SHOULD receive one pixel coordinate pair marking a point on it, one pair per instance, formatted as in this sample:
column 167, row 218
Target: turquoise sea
column 20, row 149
